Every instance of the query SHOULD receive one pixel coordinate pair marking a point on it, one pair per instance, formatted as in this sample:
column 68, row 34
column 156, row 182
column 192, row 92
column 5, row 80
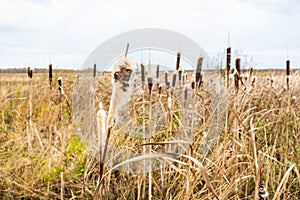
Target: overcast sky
column 67, row 31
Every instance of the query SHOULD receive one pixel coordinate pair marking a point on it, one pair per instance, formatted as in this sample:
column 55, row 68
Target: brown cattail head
column 238, row 65
column 251, row 71
column 143, row 73
column 178, row 60
column 50, row 73
column 193, row 84
column 228, row 59
column 199, row 64
column 166, row 78
column 238, row 72
column 197, row 77
column 185, row 94
column 150, row 84
column 159, row 89
column 30, row 72
column 168, row 84
column 59, row 81
column 253, row 81
column 179, row 75
column 288, row 72
column 174, row 80
column 200, row 81
column 157, row 72
column 94, row 70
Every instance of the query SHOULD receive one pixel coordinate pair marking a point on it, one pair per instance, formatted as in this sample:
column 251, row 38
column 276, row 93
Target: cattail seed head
column 185, row 94
column 168, row 84
column 159, row 89
column 50, row 73
column 228, row 59
column 150, row 83
column 199, row 64
column 178, row 61
column 94, row 70
column 101, row 120
column 170, row 102
column 59, row 81
column 30, row 72
column 197, row 77
column 251, row 71
column 143, row 73
column 238, row 72
column 174, row 80
column 288, row 72
column 193, row 84
column 166, row 78
column 179, row 75
column 254, row 78
column 157, row 72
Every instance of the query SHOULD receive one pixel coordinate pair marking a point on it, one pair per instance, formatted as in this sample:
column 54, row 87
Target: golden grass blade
column 171, row 142
column 283, row 181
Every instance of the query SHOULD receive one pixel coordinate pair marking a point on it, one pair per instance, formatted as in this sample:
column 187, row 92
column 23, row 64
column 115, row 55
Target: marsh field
column 43, row 157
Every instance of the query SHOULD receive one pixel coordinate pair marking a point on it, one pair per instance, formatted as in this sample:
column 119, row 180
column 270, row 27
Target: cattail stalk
column 126, row 51
column 30, row 130
column 59, row 82
column 150, row 85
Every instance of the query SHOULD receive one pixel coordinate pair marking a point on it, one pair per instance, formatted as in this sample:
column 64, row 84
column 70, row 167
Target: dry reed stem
column 283, row 182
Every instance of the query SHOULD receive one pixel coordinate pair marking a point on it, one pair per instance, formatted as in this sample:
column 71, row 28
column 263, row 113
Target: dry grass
column 261, row 140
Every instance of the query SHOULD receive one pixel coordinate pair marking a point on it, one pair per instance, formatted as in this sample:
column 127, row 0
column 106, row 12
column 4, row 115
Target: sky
column 34, row 32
